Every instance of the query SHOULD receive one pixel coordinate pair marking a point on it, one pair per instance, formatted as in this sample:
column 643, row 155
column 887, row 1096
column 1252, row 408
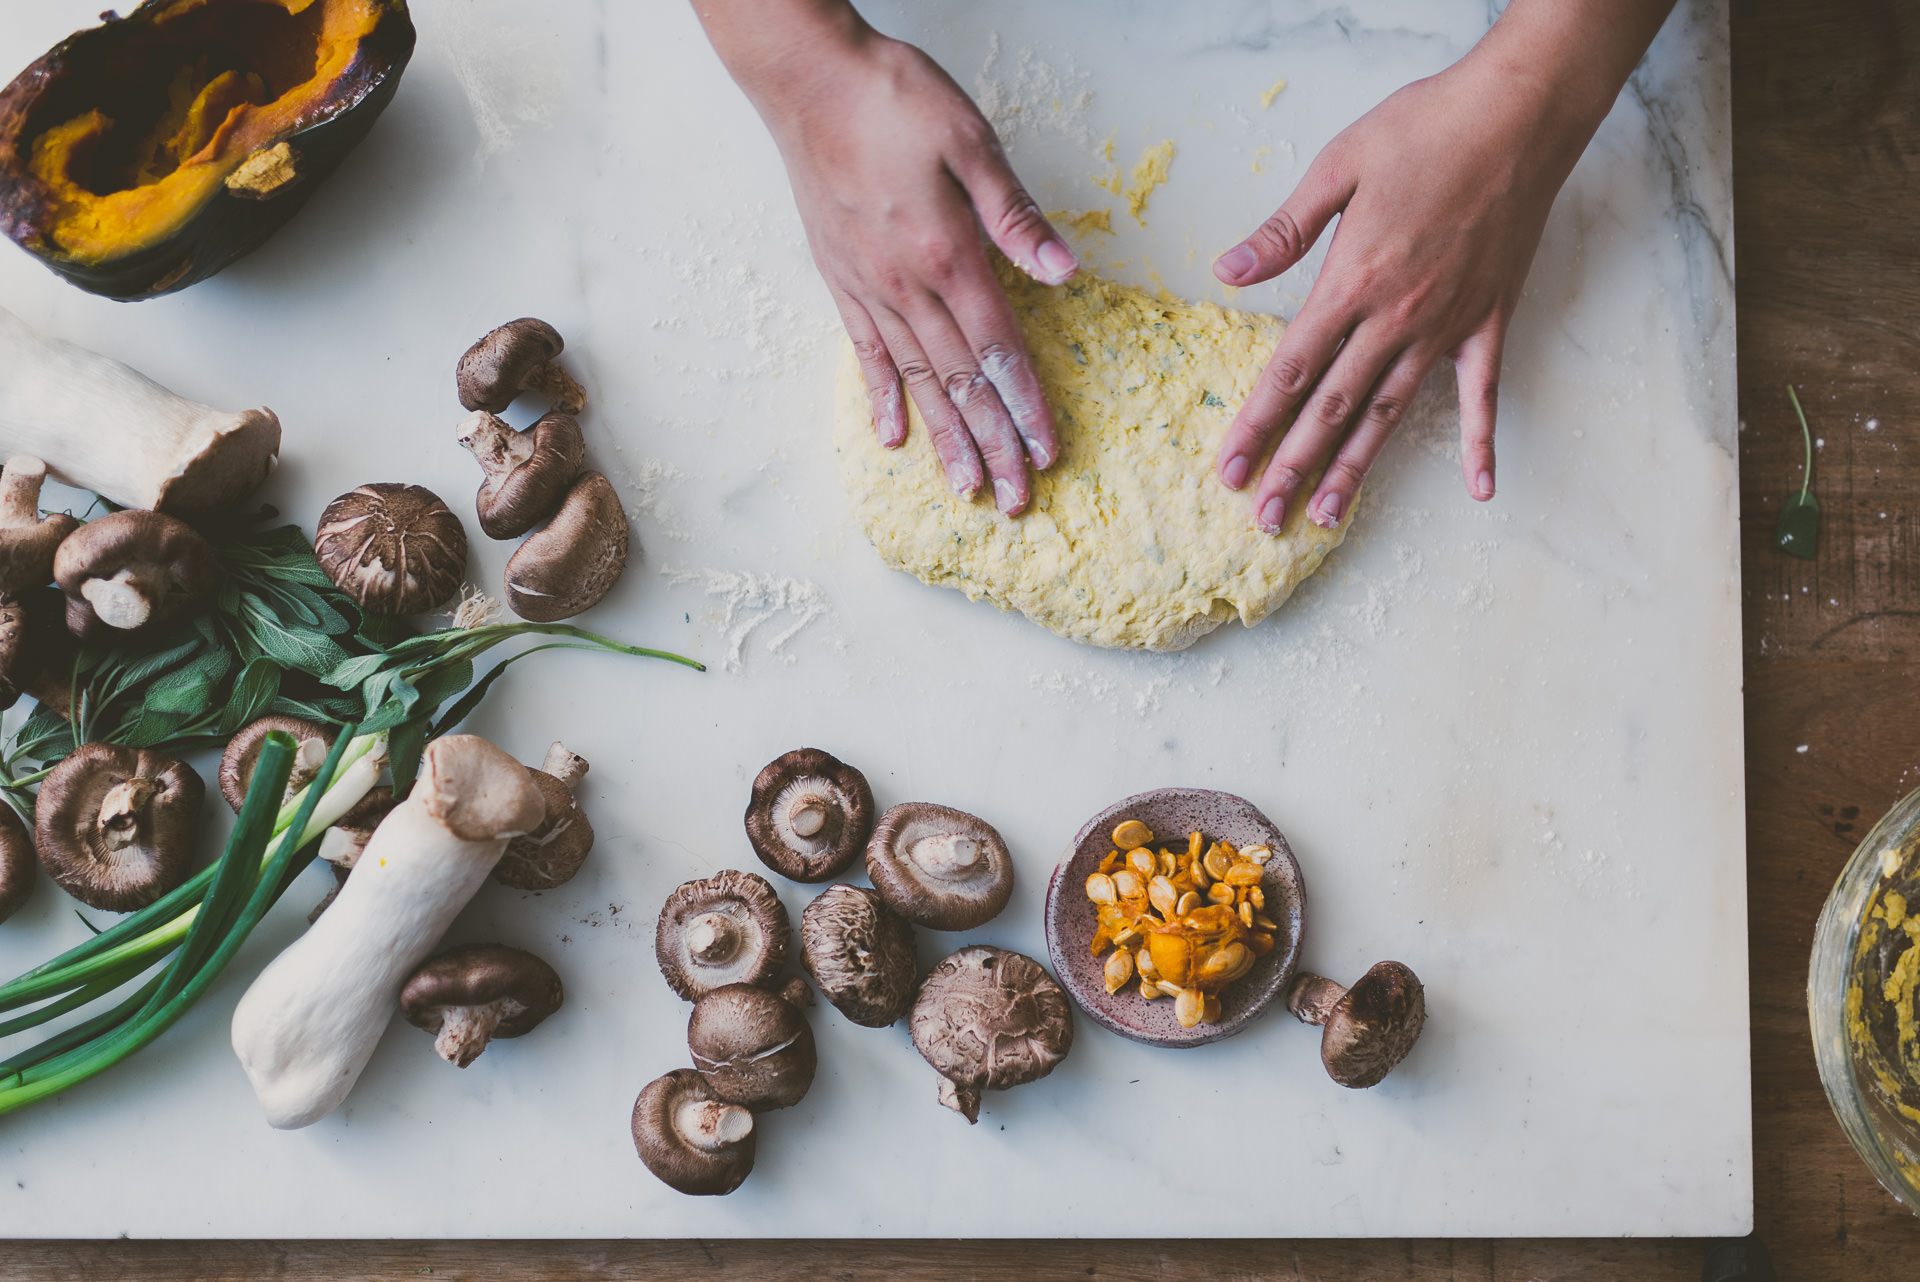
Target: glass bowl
column 1862, row 986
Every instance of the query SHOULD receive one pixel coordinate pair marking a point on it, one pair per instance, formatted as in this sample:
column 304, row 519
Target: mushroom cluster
column 551, row 854
column 721, row 943
column 533, row 476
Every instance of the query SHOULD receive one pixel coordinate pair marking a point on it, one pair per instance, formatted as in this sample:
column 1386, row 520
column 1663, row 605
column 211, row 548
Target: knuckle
column 1019, row 217
column 1287, row 375
column 916, row 372
column 1280, row 235
column 1333, row 407
column 1386, row 410
column 1345, row 474
column 1284, row 479
column 963, row 385
column 870, row 351
column 940, row 258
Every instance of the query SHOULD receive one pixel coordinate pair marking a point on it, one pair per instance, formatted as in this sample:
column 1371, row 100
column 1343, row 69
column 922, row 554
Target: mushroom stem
column 496, row 447
column 950, row 854
column 712, row 937
column 1313, row 997
column 558, row 386
column 466, row 1030
column 121, row 809
column 128, row 599
column 963, row 1100
column 564, row 764
column 20, row 482
column 808, row 817
column 710, row 1125
column 341, row 847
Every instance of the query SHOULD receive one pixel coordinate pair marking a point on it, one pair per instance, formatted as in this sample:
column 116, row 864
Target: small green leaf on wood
column 1797, row 533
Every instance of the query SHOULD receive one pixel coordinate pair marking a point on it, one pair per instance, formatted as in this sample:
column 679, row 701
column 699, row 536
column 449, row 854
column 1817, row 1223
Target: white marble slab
column 1505, row 741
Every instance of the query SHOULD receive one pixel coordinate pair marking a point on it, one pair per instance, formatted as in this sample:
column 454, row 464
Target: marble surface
column 1504, row 741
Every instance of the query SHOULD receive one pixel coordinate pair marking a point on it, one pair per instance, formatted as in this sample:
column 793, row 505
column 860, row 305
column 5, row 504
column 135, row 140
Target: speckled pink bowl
column 1070, row 917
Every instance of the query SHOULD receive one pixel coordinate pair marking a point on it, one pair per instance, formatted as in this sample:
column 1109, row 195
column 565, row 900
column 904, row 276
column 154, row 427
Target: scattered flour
column 644, row 483
column 501, row 70
column 1033, row 95
column 746, row 600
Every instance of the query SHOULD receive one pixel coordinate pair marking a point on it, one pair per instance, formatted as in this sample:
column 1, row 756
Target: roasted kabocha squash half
column 143, row 155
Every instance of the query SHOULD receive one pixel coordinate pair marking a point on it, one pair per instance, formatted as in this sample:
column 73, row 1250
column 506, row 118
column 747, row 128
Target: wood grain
column 1826, row 117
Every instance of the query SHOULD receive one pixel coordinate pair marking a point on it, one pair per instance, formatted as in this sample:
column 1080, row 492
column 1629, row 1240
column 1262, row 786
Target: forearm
column 771, row 47
column 1564, row 61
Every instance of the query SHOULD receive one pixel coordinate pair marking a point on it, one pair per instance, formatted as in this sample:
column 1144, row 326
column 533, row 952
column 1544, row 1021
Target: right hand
column 897, row 175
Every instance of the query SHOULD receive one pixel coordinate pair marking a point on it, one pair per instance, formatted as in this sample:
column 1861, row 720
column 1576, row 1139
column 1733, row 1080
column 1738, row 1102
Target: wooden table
column 1826, row 113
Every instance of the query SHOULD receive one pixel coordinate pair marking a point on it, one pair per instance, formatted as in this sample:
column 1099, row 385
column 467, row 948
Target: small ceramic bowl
column 1172, row 813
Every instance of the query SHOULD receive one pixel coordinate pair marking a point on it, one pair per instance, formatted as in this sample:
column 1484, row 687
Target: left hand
column 1442, row 192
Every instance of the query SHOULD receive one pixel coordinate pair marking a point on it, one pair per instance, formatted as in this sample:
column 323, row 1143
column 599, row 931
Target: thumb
column 1012, row 220
column 1285, row 238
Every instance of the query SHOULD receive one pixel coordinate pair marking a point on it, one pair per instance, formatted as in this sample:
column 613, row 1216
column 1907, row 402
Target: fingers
column 1322, row 422
column 1011, row 218
column 1000, row 350
column 1285, row 238
column 1378, row 420
column 876, row 368
column 946, row 428
column 1477, row 366
column 1304, row 351
column 973, row 394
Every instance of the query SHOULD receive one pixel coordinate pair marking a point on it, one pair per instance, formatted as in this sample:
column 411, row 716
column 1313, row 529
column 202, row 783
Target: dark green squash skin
column 226, row 227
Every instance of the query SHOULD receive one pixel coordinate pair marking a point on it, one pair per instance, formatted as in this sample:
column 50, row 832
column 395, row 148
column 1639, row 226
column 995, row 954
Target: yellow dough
column 1130, row 541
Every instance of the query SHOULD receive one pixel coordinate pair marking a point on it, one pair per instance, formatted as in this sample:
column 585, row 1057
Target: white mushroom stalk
column 306, row 1028
column 102, row 426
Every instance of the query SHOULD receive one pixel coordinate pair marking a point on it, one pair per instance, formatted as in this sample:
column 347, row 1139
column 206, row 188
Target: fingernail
column 1056, row 261
column 964, row 486
column 1329, row 512
column 1037, row 451
column 1483, row 488
column 1237, row 261
column 1004, row 495
column 1235, row 472
column 1270, row 515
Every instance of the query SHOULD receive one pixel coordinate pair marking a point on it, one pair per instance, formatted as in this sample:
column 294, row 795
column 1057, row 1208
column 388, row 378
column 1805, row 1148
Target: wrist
column 781, row 53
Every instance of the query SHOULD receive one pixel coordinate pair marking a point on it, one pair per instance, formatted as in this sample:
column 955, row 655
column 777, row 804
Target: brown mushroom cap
column 520, row 355
column 468, row 995
column 939, row 867
column 348, row 835
column 133, row 571
column 17, row 864
column 395, row 549
column 988, row 1019
column 692, row 1140
column 35, row 648
column 115, row 825
column 527, row 473
column 809, row 815
column 754, row 1047
column 28, row 540
column 570, row 564
column 1369, row 1027
column 551, row 854
column 729, row 928
column 860, row 953
column 312, row 739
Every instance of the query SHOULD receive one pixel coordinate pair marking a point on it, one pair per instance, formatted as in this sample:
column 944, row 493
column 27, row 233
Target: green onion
column 240, row 893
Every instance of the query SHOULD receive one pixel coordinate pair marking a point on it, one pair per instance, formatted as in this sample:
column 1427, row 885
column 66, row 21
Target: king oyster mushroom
column 691, row 1139
column 754, row 1047
column 17, row 863
column 527, row 473
column 312, row 739
column 988, row 1019
column 939, row 867
column 395, row 549
column 551, row 854
column 521, row 355
column 133, row 570
column 469, row 995
column 860, row 954
column 114, row 825
column 28, row 540
column 809, row 815
column 729, row 928
column 568, row 565
column 1370, row 1027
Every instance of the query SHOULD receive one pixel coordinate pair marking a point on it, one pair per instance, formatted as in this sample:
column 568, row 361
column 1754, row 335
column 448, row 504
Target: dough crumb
column 1266, row 99
column 1083, row 223
column 1149, row 173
